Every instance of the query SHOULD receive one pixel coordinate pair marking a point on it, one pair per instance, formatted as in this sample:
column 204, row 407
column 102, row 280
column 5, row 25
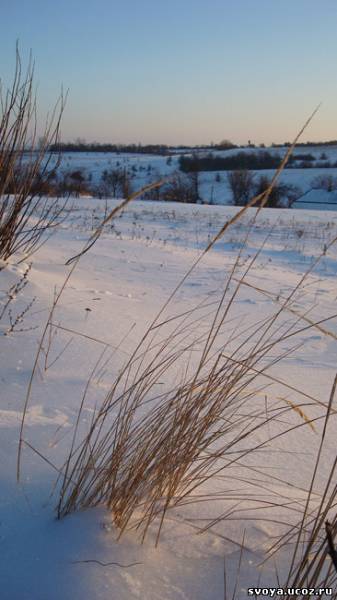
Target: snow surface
column 124, row 280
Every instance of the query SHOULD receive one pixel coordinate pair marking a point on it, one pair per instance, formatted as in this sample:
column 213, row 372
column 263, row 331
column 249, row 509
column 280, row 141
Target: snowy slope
column 122, row 281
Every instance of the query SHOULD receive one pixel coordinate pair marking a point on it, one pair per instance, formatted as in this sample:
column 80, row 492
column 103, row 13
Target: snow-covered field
column 114, row 293
column 213, row 186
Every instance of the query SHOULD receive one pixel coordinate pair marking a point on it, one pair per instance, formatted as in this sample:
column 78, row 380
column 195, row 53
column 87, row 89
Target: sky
column 180, row 72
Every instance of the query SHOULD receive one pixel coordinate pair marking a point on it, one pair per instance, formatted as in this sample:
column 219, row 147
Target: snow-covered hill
column 213, row 186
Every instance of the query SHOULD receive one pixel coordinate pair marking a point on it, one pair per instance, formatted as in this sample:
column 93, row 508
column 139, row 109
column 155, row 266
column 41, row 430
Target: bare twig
column 108, row 564
column 330, row 541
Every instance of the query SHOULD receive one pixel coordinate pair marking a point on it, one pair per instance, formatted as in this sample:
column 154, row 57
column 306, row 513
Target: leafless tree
column 115, row 183
column 241, row 184
column 182, row 188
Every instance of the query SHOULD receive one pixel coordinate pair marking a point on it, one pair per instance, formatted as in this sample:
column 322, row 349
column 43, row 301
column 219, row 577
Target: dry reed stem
column 300, row 412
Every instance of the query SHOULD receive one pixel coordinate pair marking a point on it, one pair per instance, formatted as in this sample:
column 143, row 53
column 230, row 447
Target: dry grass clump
column 145, row 452
column 25, row 166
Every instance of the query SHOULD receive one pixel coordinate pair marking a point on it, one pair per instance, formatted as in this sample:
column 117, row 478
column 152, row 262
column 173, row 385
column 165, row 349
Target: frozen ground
column 122, row 281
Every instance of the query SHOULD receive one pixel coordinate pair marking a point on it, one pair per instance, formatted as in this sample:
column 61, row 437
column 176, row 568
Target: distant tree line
column 253, row 161
column 241, row 160
column 305, row 144
column 80, row 145
column 160, row 149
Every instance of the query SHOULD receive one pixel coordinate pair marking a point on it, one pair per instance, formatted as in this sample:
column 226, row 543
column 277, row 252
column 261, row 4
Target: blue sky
column 187, row 71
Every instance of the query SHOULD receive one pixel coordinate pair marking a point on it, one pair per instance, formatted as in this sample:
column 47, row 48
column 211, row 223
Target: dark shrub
column 241, row 184
column 281, row 196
